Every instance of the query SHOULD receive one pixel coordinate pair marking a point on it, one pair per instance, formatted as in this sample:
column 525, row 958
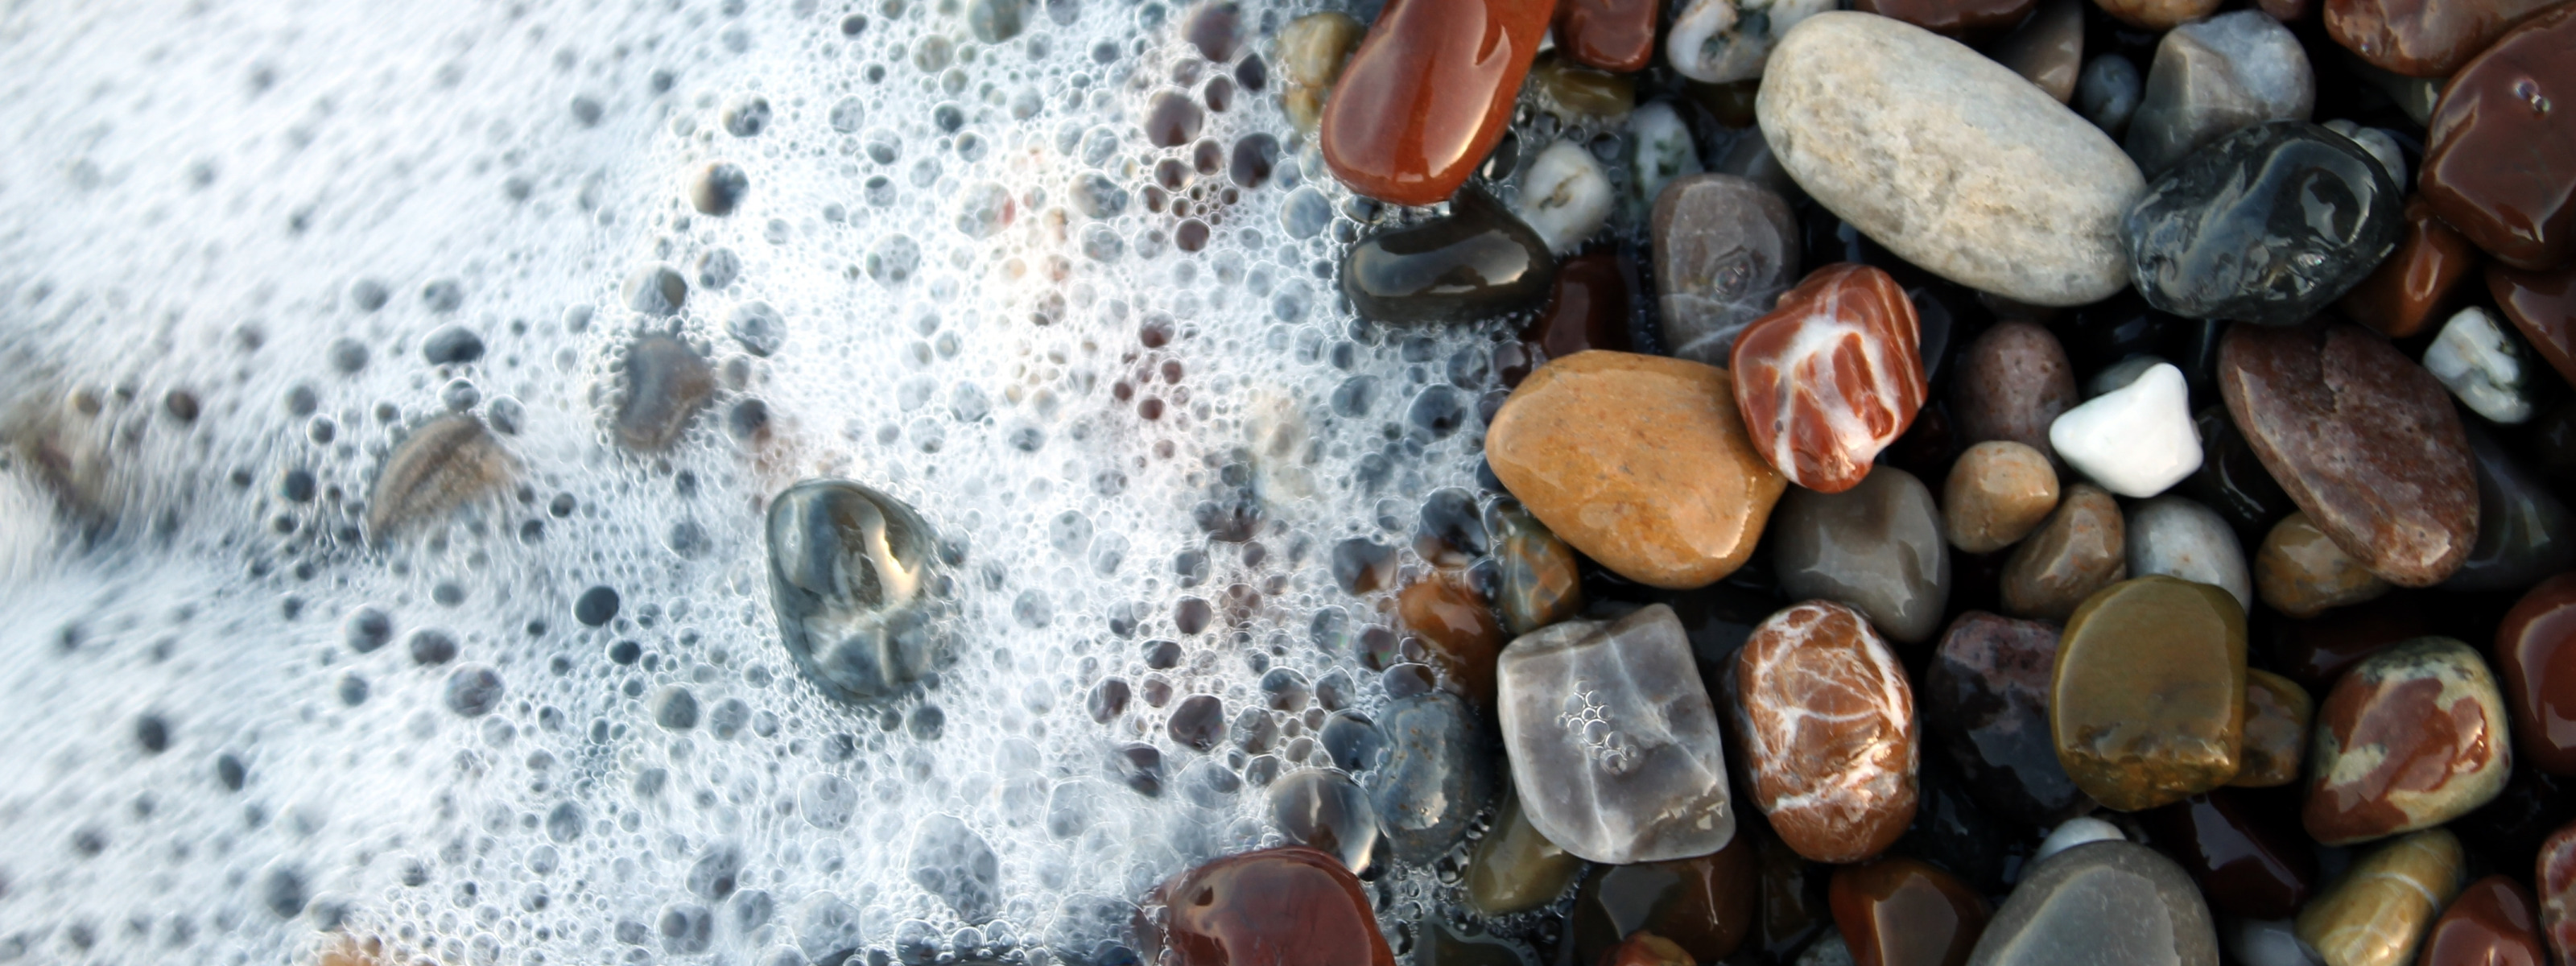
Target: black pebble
column 597, row 606
column 449, row 345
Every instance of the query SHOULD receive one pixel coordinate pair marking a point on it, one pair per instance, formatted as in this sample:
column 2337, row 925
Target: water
column 229, row 731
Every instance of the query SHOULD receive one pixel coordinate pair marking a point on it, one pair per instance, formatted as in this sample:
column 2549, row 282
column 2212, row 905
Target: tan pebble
column 1998, row 492
column 439, row 466
column 2302, row 573
column 2377, row 913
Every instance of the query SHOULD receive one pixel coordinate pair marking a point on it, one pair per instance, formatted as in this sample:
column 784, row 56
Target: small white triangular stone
column 2137, row 440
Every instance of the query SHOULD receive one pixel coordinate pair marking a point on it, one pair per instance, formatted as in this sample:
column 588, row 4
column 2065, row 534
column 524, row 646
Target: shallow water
column 271, row 207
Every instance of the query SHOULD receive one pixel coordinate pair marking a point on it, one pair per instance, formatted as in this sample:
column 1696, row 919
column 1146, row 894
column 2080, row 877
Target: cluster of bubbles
column 395, row 392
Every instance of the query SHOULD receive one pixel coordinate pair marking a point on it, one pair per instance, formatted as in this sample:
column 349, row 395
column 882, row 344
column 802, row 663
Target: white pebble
column 2476, row 360
column 2136, row 441
column 1564, row 197
column 2176, row 537
column 2074, row 832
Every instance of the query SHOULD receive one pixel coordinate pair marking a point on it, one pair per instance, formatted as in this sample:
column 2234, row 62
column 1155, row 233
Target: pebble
column 2157, row 14
column 2081, row 549
column 1638, row 462
column 2073, row 832
column 1831, row 376
column 2148, row 703
column 1725, row 248
column 1456, row 628
column 2535, row 658
column 1724, row 41
column 2108, row 92
column 2013, row 382
column 663, row 383
column 1538, row 583
column 2216, row 76
column 1660, row 149
column 2524, row 532
column 1428, row 95
column 1311, row 52
column 2488, row 368
column 1565, row 196
column 1612, row 740
column 2047, row 49
column 2302, row 573
column 1826, row 720
column 2379, row 910
column 1289, row 906
column 2363, row 440
column 1876, row 548
column 1476, row 262
column 2381, row 145
column 1588, row 308
column 2176, row 537
column 1985, row 700
column 1898, row 911
column 849, row 579
column 2110, row 903
column 1975, row 18
column 1514, row 868
column 1323, row 809
column 2244, row 866
column 2137, row 440
column 1704, row 907
column 2410, row 738
column 1889, row 126
column 2543, row 306
column 2494, row 922
column 2422, row 40
column 2269, row 224
column 2555, row 872
column 1435, row 777
column 2267, row 942
column 1998, row 492
column 2420, row 282
column 1577, row 94
column 2499, row 161
column 1614, row 35
column 438, row 467
column 2277, row 714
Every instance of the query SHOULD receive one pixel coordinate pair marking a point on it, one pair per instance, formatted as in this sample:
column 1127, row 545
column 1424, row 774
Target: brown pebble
column 2081, row 549
column 2012, row 382
column 1997, row 493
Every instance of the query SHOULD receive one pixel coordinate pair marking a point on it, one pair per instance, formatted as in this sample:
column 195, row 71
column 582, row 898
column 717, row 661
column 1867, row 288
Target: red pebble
column 1831, row 377
column 1290, row 906
column 1429, row 94
column 2556, row 873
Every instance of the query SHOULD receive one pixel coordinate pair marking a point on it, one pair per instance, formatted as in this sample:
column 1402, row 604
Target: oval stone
column 2277, row 714
column 2268, row 224
column 1827, row 722
column 2302, row 573
column 1291, row 906
column 1641, row 462
column 1456, row 627
column 2363, row 440
column 1614, row 35
column 2148, row 702
column 1998, row 492
column 2500, row 161
column 1831, row 376
column 1704, row 905
column 1901, row 912
column 2418, row 38
column 1951, row 160
column 2377, row 913
column 2107, row 903
column 1985, row 699
column 2412, row 737
column 2080, row 550
column 2555, row 871
column 849, row 576
column 1539, row 583
column 1876, row 548
column 2535, row 654
column 2417, row 284
column 1428, row 95
column 1477, row 261
column 2492, row 923
column 2012, row 382
column 2543, row 306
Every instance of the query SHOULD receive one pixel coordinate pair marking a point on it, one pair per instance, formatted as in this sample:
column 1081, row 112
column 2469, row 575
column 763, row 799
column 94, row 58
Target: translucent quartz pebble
column 849, row 577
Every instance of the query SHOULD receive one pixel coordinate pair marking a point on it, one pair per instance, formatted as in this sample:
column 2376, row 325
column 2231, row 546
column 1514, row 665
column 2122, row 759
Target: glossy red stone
column 2409, row 739
column 1428, row 95
column 2243, row 865
column 1900, row 912
column 1831, row 376
column 1826, row 721
column 2543, row 306
column 1614, row 35
column 2555, row 873
column 2493, row 922
column 1587, row 309
column 2500, row 161
column 2535, row 660
column 2422, row 38
column 2419, row 285
column 1290, row 906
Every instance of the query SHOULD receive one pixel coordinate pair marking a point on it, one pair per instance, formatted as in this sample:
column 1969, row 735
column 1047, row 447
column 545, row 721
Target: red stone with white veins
column 1827, row 722
column 2556, row 874
column 1833, row 375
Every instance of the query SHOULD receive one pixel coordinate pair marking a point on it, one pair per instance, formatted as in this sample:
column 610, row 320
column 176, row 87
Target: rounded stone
column 2500, row 160
column 2176, row 537
column 849, row 577
column 1291, row 906
column 2493, row 922
column 2302, row 573
column 1477, row 261
column 2535, row 656
column 1827, row 722
column 2277, row 715
column 2107, row 903
column 1998, row 492
column 2081, row 549
column 1831, row 376
column 1985, row 700
column 1901, row 912
column 2410, row 738
column 1428, row 95
column 1702, row 907
column 2418, row 283
column 2012, row 383
column 2214, row 76
column 1724, row 249
column 2379, row 910
column 1516, row 869
column 1951, row 160
column 2268, row 224
column 2148, row 702
column 1876, row 548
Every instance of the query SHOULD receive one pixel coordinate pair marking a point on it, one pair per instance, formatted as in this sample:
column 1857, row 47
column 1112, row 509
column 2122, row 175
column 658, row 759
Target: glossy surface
column 1826, row 720
column 2419, row 284
column 1587, row 308
column 1428, row 95
column 2215, row 76
column 1951, row 16
column 2147, row 705
column 1456, row 626
column 2500, row 162
column 849, row 571
column 2492, row 923
column 1538, row 584
column 1437, row 773
column 1725, row 248
column 1514, row 868
column 2081, row 549
column 2302, row 573
column 2048, row 48
column 2524, row 532
column 2408, row 739
column 2555, row 873
column 2244, row 866
column 1288, row 906
column 2378, row 911
column 2422, row 38
column 1900, row 912
column 2535, row 662
column 2364, row 441
column 2268, row 224
column 1985, row 702
column 1638, row 461
column 2277, row 715
column 1876, row 548
column 1705, row 905
column 2231, row 479
column 1475, row 262
column 1998, row 492
column 1614, row 35
column 2108, row 903
column 2543, row 306
column 1831, row 376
